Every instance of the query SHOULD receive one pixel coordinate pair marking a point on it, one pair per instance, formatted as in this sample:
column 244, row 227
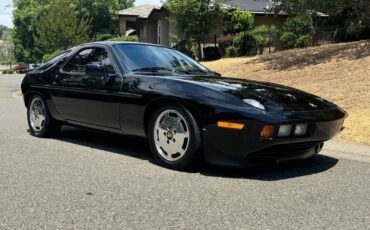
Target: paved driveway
column 90, row 180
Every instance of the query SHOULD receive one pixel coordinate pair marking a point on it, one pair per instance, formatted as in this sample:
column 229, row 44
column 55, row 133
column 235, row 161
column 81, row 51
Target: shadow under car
column 139, row 148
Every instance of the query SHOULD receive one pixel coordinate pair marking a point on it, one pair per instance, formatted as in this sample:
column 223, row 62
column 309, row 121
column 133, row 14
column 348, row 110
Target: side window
column 89, row 56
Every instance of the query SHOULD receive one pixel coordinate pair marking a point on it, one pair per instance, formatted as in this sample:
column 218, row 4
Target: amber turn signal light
column 267, row 131
column 230, row 125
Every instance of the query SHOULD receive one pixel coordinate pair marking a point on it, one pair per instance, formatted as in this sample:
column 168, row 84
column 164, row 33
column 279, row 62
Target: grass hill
column 337, row 72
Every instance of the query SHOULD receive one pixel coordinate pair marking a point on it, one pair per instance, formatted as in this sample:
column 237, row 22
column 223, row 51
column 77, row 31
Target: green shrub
column 242, row 20
column 8, row 71
column 298, row 25
column 288, row 40
column 261, row 34
column 103, row 37
column 352, row 29
column 48, row 57
column 231, row 51
column 304, row 41
column 264, row 36
column 297, row 32
column 245, row 43
column 132, row 38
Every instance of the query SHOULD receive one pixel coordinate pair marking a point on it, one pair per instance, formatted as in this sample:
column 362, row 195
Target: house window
column 159, row 33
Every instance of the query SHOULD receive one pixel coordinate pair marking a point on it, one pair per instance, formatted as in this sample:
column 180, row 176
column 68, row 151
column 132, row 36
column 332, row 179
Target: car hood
column 274, row 97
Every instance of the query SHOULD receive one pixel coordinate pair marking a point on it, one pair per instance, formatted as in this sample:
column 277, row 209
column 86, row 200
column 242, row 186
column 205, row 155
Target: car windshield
column 155, row 59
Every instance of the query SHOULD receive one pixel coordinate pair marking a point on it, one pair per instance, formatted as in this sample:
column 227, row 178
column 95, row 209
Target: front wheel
column 40, row 122
column 174, row 137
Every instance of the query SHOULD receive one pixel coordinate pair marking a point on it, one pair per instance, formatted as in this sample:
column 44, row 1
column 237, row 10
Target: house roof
column 255, row 6
column 142, row 11
column 259, row 6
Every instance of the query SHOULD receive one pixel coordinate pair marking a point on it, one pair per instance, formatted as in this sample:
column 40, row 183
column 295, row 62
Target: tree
column 195, row 19
column 302, row 7
column 242, row 24
column 58, row 27
column 101, row 13
column 3, row 29
column 24, row 17
column 331, row 7
column 7, row 48
column 343, row 13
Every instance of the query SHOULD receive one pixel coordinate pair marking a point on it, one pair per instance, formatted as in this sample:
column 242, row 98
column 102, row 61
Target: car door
column 86, row 99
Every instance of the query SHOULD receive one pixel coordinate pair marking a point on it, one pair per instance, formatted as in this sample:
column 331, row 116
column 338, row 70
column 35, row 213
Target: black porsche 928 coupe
column 187, row 112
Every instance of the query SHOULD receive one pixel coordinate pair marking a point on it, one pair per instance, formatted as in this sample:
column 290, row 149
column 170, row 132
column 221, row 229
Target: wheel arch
column 29, row 95
column 48, row 103
column 156, row 103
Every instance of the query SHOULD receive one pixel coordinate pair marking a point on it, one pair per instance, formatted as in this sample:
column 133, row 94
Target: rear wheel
column 174, row 137
column 40, row 122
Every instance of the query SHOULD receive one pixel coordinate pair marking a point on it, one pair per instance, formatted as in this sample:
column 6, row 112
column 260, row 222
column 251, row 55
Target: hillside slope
column 338, row 72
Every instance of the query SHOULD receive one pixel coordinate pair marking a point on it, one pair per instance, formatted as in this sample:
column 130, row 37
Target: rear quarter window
column 60, row 58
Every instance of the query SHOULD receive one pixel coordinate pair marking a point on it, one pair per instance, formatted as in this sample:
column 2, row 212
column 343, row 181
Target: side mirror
column 95, row 70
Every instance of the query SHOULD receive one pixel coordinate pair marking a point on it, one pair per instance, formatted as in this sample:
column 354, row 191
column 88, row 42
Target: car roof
column 111, row 43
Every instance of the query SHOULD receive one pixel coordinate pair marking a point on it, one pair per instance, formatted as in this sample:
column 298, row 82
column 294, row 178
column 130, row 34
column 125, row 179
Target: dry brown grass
column 339, row 73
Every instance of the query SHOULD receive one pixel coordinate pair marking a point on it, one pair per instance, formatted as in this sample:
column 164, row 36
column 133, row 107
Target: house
column 151, row 22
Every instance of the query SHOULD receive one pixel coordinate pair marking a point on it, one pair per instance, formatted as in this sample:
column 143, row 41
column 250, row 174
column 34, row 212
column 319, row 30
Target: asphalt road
column 90, row 180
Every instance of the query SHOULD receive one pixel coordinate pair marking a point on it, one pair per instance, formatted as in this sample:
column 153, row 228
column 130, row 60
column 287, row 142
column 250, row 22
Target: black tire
column 192, row 156
column 50, row 125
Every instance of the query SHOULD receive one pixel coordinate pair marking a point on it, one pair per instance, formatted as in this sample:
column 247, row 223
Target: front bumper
column 240, row 148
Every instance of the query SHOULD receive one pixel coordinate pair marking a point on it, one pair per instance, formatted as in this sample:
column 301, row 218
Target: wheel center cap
column 169, row 135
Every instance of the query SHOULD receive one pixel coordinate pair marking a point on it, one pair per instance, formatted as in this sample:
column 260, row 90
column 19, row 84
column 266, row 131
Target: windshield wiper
column 181, row 71
column 157, row 69
column 151, row 69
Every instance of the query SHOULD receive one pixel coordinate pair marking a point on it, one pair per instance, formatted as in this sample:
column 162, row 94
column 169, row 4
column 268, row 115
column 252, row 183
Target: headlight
column 254, row 103
column 300, row 130
column 285, row 130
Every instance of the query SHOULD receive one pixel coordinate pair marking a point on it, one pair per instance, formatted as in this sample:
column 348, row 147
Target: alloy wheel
column 171, row 135
column 37, row 114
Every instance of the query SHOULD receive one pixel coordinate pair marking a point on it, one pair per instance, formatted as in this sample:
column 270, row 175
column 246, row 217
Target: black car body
column 123, row 101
